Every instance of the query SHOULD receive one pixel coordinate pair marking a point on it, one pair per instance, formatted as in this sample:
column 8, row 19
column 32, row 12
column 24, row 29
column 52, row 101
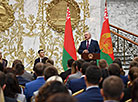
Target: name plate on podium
column 90, row 56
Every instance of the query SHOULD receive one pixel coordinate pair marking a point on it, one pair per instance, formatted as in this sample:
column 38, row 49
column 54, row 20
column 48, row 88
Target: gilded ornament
column 6, row 15
column 56, row 14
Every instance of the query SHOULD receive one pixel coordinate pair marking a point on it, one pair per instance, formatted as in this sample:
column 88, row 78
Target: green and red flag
column 69, row 51
column 106, row 41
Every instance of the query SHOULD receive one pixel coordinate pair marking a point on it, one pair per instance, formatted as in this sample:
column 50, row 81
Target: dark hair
column 133, row 73
column 133, row 64
column 114, row 69
column 113, row 87
column 61, row 97
column 40, row 51
column 49, row 61
column 19, row 69
column 85, row 65
column 1, row 67
column 9, row 70
column 16, row 62
column 70, row 61
column 78, row 64
column 50, row 71
column 49, row 89
column 93, row 74
column 39, row 68
column 12, row 86
column 134, row 92
column 118, row 61
column 2, row 78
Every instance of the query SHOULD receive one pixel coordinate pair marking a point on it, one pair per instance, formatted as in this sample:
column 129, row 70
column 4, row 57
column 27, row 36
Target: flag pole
column 105, row 3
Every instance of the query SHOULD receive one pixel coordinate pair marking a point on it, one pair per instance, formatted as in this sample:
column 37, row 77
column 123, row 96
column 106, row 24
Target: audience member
column 8, row 70
column 49, row 89
column 103, row 66
column 3, row 61
column 61, row 97
column 68, row 71
column 75, row 68
column 19, row 70
column 50, row 71
column 49, row 61
column 78, row 84
column 12, row 89
column 112, row 89
column 135, row 59
column 26, row 74
column 34, row 85
column 92, row 79
column 118, row 61
column 134, row 92
column 132, row 75
column 133, row 64
column 114, row 69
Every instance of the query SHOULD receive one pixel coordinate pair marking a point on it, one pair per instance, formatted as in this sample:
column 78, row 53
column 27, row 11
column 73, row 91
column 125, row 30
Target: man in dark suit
column 92, row 79
column 78, row 84
column 88, row 45
column 41, row 58
column 67, row 72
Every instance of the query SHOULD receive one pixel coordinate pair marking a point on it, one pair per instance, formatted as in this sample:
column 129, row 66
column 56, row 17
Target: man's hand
column 85, row 51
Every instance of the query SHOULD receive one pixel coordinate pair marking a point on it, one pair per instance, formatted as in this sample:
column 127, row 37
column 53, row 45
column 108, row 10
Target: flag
column 106, row 41
column 69, row 51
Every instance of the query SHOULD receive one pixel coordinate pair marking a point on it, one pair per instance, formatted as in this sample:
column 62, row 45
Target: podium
column 90, row 56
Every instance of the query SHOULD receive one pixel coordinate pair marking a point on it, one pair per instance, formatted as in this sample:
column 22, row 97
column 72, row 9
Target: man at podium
column 88, row 45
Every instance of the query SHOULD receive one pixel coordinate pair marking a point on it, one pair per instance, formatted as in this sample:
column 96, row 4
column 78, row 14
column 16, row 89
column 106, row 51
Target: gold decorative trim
column 6, row 15
column 56, row 14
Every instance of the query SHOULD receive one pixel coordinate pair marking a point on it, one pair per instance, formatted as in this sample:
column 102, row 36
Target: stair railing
column 125, row 43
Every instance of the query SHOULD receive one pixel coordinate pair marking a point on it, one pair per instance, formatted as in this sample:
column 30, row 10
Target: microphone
column 28, row 64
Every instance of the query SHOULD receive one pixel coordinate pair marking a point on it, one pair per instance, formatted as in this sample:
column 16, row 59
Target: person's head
column 49, row 89
column 69, row 63
column 118, row 61
column 134, row 92
column 76, row 65
column 16, row 62
column 133, row 64
column 85, row 65
column 50, row 71
column 114, row 69
column 2, row 79
column 50, row 61
column 61, row 97
column 93, row 75
column 135, row 59
column 19, row 69
column 8, row 70
column 55, row 78
column 103, row 64
column 87, row 35
column 133, row 74
column 112, row 88
column 41, row 53
column 39, row 68
column 12, row 86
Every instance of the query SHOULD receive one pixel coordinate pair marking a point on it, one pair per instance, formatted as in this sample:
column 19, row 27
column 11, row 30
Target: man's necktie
column 87, row 44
